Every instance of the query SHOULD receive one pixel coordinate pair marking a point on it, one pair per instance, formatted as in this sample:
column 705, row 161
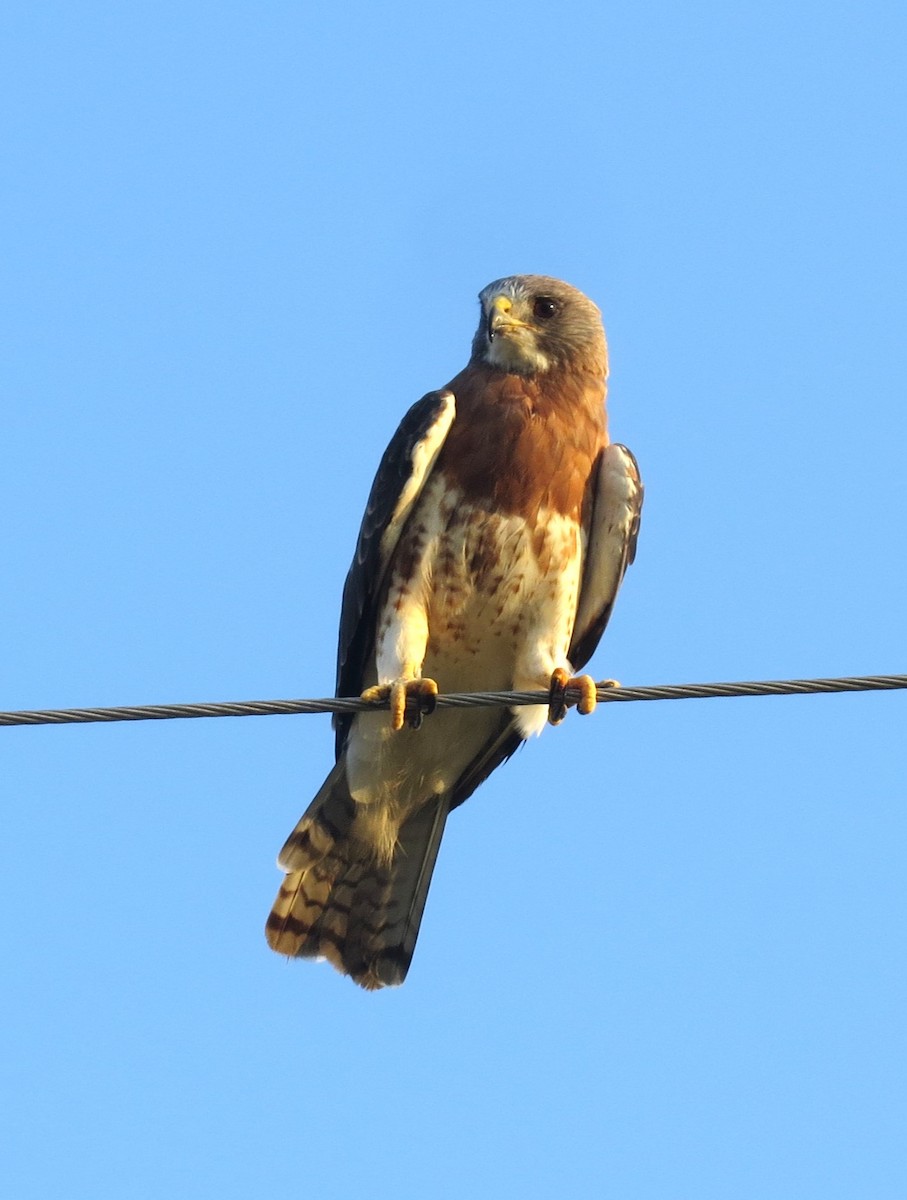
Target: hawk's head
column 532, row 323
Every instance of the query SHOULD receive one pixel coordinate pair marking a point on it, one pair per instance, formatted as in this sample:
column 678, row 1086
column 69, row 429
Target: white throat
column 516, row 351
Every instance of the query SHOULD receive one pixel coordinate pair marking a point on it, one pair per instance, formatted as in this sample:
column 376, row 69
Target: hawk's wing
column 401, row 476
column 610, row 548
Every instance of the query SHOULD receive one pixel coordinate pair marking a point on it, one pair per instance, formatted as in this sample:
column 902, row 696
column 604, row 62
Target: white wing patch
column 618, row 497
column 423, row 459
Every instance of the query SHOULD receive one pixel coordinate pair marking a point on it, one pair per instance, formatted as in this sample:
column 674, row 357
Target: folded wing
column 611, row 546
column 401, row 476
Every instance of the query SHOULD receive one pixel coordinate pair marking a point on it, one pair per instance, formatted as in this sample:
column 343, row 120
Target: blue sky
column 663, row 955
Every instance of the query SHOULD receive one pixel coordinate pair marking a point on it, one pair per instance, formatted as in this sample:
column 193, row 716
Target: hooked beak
column 500, row 319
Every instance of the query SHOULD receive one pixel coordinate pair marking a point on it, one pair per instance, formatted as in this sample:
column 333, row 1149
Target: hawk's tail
column 339, row 901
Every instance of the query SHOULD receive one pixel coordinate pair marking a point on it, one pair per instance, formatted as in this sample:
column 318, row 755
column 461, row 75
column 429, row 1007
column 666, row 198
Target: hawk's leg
column 558, row 704
column 418, row 696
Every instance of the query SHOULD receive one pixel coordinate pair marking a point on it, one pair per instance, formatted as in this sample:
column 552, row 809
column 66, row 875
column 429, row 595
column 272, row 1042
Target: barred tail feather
column 341, row 902
column 325, row 824
column 411, row 868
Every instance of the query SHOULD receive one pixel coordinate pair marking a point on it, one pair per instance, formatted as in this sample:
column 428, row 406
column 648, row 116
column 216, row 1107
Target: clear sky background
column 663, row 956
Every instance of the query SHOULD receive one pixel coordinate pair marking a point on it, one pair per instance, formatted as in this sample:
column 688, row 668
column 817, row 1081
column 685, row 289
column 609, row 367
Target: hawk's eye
column 544, row 308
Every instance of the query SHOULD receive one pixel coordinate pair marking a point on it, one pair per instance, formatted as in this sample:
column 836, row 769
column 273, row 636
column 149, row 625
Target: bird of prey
column 496, row 535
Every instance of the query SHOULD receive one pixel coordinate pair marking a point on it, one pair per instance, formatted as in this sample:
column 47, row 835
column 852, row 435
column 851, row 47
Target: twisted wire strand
column 606, row 694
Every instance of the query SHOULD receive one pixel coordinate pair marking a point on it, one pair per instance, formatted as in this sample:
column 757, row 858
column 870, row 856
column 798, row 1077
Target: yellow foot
column 410, row 700
column 558, row 703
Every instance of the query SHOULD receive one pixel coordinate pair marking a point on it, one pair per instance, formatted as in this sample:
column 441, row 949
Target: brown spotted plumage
column 495, row 538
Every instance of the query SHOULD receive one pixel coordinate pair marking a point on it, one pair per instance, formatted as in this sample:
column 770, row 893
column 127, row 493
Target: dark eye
column 544, row 308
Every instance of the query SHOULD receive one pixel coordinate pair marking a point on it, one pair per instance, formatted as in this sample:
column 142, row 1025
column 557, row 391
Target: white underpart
column 616, row 508
column 479, row 615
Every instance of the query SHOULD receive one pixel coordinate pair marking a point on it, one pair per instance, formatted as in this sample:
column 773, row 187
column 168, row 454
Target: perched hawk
column 496, row 535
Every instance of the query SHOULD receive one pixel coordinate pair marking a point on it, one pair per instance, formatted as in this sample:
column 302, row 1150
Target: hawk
column 496, row 535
